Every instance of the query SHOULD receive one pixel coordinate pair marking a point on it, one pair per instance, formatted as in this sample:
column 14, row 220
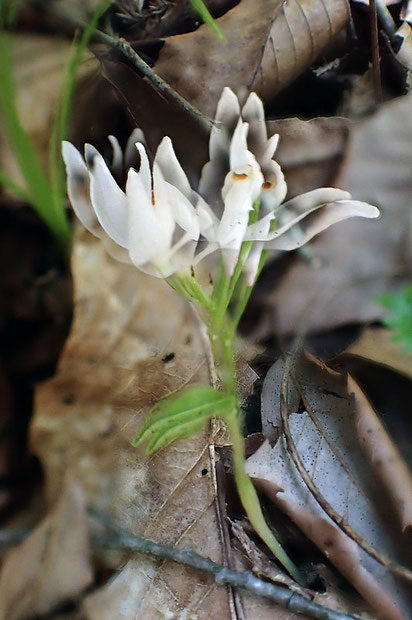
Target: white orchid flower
column 152, row 224
column 239, row 137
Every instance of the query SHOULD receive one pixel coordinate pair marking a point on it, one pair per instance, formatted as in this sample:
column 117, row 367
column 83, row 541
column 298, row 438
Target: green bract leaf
column 183, row 416
column 400, row 319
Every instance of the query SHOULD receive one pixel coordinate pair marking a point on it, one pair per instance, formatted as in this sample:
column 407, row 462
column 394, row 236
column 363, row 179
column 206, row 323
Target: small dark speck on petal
column 80, row 178
column 90, row 160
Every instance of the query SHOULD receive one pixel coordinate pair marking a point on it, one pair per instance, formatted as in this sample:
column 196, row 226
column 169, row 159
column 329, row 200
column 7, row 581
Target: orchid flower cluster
column 165, row 227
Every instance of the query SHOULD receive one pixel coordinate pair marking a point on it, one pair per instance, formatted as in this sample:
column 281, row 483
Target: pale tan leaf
column 52, row 565
column 377, row 344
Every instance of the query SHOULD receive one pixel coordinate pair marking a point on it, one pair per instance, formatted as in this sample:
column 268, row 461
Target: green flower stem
column 243, row 295
column 250, row 499
column 221, row 330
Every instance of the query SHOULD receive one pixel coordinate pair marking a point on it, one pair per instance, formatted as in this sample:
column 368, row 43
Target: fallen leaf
column 311, row 153
column 278, row 42
column 388, row 463
column 133, row 340
column 331, row 453
column 353, row 263
column 377, row 344
column 52, row 565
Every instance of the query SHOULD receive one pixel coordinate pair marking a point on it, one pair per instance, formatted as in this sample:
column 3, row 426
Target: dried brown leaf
column 357, row 260
column 334, row 458
column 52, row 565
column 384, row 455
column 133, row 340
column 311, row 153
column 267, row 45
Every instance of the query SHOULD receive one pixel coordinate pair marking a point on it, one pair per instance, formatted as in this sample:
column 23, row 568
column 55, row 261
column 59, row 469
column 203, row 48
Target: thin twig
column 376, row 70
column 222, row 575
column 126, row 50
column 377, row 555
column 239, row 612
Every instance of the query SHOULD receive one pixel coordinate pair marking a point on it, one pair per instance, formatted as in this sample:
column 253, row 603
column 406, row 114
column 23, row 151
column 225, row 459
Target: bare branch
column 222, row 575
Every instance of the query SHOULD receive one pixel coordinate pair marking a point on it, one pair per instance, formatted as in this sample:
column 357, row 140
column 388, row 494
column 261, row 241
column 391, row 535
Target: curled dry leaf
column 52, row 565
column 278, row 42
column 327, row 442
column 384, row 455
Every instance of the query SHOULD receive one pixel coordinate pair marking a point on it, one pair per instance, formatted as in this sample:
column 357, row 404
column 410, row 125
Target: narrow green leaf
column 196, row 403
column 177, row 432
column 204, row 13
column 23, row 149
column 61, row 121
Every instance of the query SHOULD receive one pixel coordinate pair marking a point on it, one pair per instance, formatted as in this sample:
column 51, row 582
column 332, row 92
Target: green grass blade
column 61, row 122
column 22, row 146
column 200, row 7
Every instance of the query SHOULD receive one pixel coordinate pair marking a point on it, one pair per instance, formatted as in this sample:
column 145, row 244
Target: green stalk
column 250, row 499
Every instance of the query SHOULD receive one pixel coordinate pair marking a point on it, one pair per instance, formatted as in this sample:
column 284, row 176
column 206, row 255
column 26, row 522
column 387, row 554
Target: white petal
column 318, row 220
column 316, row 197
column 269, row 151
column 234, row 222
column 274, row 189
column 108, row 200
column 171, row 169
column 210, row 247
column 251, row 265
column 227, row 113
column 78, row 187
column 149, row 238
column 137, row 135
column 214, row 171
column 117, row 159
column 144, row 170
column 254, row 114
column 208, row 221
column 183, row 212
column 115, row 251
column 260, row 229
column 239, row 153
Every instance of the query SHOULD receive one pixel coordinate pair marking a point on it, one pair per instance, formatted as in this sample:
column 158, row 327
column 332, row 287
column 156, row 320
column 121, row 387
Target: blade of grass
column 61, row 122
column 200, row 7
column 22, row 146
